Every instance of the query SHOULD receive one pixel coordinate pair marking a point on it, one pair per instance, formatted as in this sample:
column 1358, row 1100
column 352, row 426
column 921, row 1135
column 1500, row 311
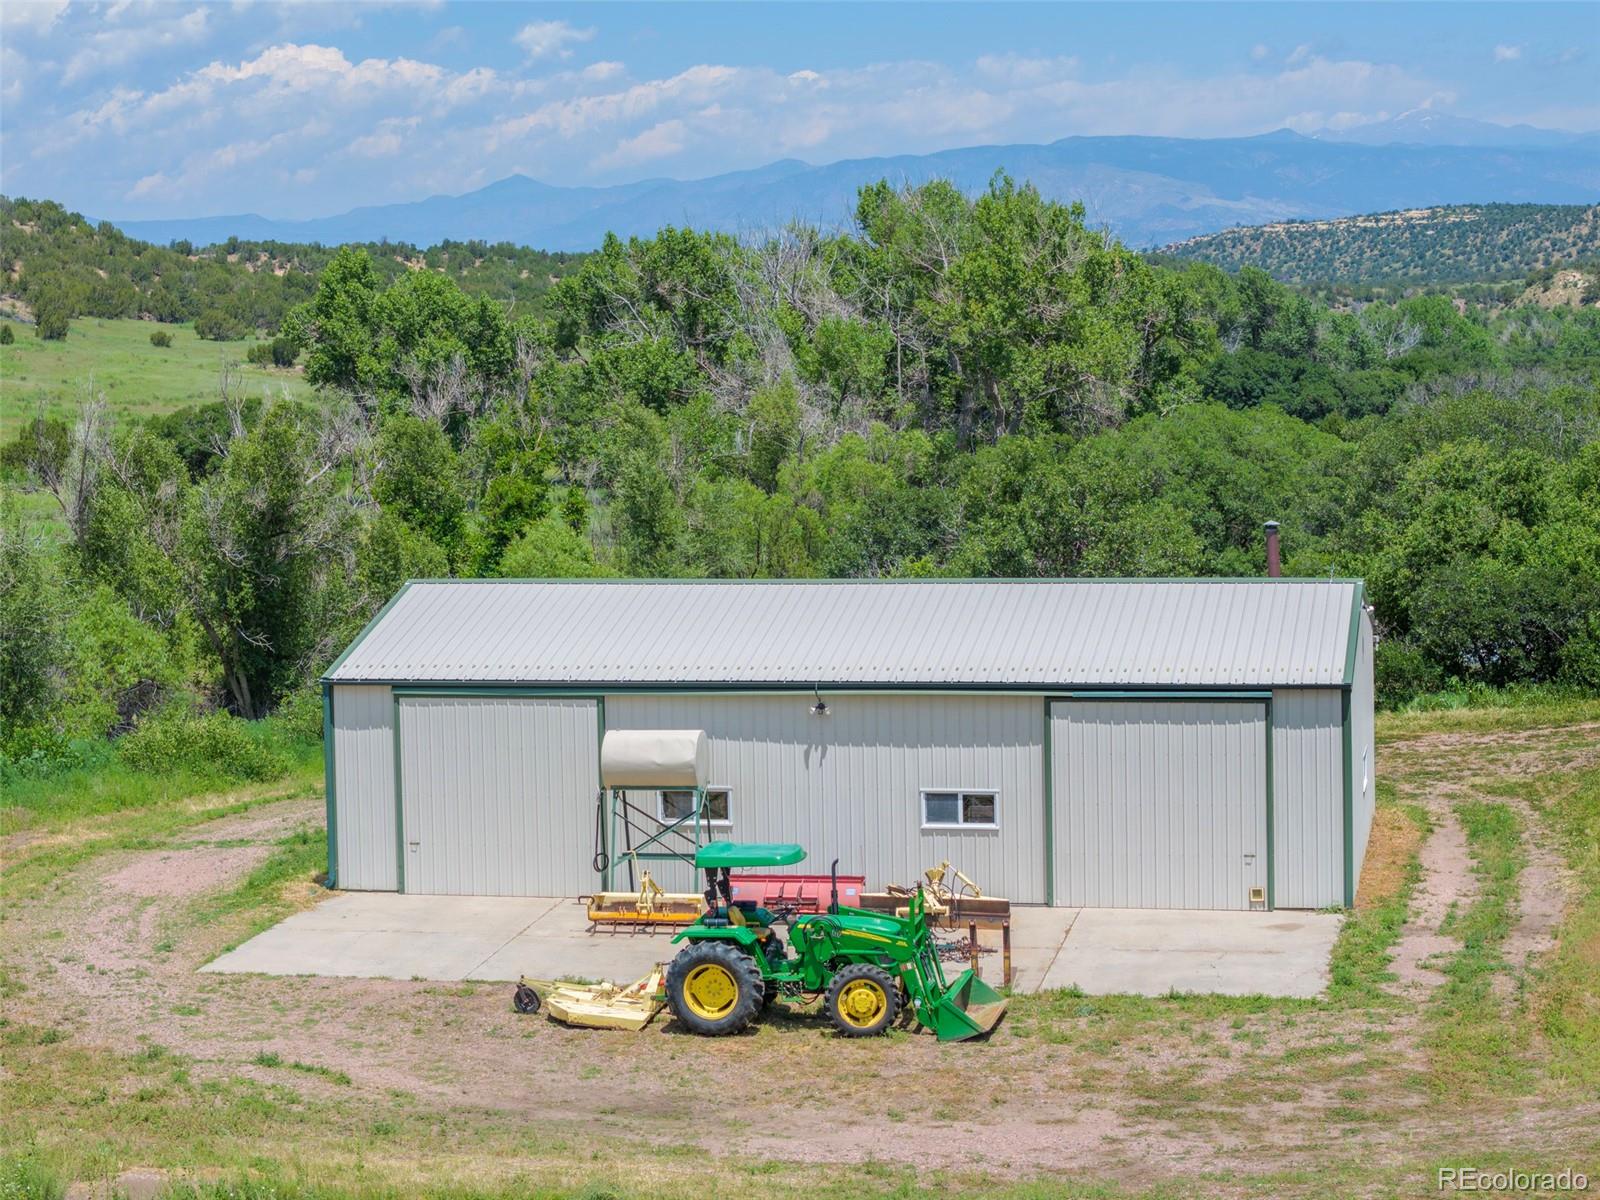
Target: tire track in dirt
column 1448, row 880
column 1447, row 883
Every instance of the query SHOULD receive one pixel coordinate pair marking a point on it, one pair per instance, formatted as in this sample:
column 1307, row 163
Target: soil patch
column 175, row 874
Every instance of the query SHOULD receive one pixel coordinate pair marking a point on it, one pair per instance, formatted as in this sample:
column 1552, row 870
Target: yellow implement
column 602, row 1006
column 648, row 906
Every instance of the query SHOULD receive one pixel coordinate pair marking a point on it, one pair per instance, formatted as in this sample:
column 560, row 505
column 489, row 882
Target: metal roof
column 1026, row 633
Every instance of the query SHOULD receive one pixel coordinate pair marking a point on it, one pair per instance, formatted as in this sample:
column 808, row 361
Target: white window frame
column 958, row 825
column 661, row 805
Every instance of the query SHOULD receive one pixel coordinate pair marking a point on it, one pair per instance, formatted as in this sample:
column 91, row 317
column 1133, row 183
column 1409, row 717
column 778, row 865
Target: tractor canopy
column 748, row 854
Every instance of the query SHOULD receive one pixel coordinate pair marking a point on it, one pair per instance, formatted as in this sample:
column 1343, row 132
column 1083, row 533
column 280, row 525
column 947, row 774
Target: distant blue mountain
column 1149, row 191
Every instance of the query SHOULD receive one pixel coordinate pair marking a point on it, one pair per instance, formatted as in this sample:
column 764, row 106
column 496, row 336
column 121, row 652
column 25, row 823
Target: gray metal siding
column 498, row 795
column 1159, row 803
column 363, row 763
column 1363, row 751
column 848, row 785
column 1308, row 798
column 1046, row 634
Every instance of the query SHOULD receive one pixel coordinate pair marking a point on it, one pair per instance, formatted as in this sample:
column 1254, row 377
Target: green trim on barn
column 328, row 777
column 1047, row 739
column 1272, row 817
column 327, row 676
column 399, row 806
column 1358, row 602
column 1349, row 801
column 590, row 688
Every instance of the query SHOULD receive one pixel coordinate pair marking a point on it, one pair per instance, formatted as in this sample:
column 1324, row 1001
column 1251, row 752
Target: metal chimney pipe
column 1274, row 561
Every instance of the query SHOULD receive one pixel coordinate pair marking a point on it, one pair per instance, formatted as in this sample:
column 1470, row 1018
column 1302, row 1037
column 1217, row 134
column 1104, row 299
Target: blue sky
column 139, row 109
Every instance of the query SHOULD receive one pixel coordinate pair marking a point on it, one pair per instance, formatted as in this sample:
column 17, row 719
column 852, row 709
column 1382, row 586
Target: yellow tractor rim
column 710, row 991
column 862, row 1003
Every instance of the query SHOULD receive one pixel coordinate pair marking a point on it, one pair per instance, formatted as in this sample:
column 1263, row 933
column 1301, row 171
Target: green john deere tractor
column 867, row 966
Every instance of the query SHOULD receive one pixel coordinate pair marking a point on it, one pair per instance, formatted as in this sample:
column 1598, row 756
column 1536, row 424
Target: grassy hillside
column 138, row 379
column 56, row 260
column 1420, row 246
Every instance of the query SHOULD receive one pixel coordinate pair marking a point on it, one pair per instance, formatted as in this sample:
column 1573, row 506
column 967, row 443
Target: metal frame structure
column 615, row 811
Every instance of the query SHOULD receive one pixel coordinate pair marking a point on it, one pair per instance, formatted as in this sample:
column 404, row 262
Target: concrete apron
column 1102, row 951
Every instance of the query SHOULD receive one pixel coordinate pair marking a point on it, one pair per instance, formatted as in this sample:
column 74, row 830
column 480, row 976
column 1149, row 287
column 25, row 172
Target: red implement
column 807, row 893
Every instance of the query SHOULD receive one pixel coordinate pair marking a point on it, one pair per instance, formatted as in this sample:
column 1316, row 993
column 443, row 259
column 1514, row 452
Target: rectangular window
column 960, row 810
column 677, row 803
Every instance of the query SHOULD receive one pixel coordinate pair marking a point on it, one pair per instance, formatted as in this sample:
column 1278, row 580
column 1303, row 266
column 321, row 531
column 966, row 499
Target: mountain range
column 1149, row 191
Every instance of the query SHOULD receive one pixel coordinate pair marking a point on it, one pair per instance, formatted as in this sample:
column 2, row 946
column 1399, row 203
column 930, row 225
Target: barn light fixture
column 820, row 708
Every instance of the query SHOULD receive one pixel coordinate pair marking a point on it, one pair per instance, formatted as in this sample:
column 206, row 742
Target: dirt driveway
column 406, row 1080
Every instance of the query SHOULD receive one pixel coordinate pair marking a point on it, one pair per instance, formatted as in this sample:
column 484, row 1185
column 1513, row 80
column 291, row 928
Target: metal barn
column 1188, row 743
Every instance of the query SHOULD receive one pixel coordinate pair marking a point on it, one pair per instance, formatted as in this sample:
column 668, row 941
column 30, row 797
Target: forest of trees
column 1464, row 243
column 63, row 267
column 954, row 387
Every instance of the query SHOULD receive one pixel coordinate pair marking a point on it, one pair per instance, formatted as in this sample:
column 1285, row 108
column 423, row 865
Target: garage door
column 497, row 796
column 1159, row 803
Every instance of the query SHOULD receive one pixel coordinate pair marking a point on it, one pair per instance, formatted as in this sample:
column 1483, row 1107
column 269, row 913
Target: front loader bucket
column 969, row 1009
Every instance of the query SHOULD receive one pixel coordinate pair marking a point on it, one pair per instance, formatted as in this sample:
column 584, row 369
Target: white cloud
column 546, row 39
column 600, row 72
column 659, row 141
column 32, row 16
column 1258, row 52
column 154, row 184
column 1299, row 54
column 1020, row 70
column 387, row 139
column 113, row 47
column 1507, row 53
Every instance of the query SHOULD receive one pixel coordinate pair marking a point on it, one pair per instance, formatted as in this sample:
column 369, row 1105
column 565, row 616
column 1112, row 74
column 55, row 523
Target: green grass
column 105, row 783
column 78, row 814
column 1489, row 710
column 1475, row 1045
column 259, row 899
column 137, row 379
column 1359, row 965
column 1567, row 997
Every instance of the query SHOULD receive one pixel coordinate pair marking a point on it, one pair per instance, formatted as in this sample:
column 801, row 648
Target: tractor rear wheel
column 714, row 988
column 863, row 1000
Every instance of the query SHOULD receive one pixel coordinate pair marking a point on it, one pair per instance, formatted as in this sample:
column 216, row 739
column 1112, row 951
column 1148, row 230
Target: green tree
column 265, row 543
column 337, row 327
column 51, row 312
column 31, row 644
column 549, row 549
column 418, row 479
column 774, row 432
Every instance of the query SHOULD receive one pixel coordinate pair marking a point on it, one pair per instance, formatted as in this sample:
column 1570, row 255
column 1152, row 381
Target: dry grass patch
column 1391, row 852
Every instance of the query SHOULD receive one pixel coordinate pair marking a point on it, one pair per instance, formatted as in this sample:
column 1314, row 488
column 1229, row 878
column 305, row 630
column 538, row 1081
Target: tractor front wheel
column 714, row 988
column 863, row 1000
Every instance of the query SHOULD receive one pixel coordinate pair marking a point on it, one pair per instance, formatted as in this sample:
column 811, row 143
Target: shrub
column 216, row 745
column 161, row 339
column 1401, row 671
column 549, row 549
column 300, row 714
column 6, row 336
column 51, row 320
column 41, row 446
column 279, row 352
column 217, row 326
